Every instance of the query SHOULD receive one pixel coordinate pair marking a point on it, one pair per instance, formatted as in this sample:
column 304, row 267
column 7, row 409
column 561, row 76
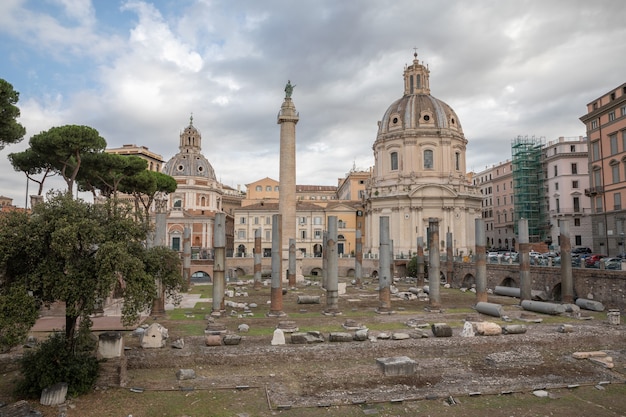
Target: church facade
column 198, row 196
column 419, row 172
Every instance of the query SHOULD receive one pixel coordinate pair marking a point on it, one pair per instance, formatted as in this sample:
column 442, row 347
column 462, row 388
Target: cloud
column 136, row 71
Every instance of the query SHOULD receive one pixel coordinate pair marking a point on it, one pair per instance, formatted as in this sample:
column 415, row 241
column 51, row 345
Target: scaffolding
column 528, row 186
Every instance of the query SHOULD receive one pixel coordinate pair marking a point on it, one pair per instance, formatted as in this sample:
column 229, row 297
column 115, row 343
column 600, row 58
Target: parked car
column 581, row 250
column 591, row 261
column 612, row 263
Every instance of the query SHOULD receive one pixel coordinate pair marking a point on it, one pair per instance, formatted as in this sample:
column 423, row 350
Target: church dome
column 417, row 109
column 189, row 161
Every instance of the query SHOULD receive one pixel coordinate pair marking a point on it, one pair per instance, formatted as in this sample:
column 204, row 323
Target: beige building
column 606, row 132
column 419, row 172
column 314, row 204
column 155, row 161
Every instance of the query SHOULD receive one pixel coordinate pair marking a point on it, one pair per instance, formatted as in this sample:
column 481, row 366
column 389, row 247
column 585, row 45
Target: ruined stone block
column 441, row 330
column 397, row 366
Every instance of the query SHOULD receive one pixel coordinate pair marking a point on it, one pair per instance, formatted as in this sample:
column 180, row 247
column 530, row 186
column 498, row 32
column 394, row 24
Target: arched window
column 394, row 161
column 457, row 161
column 259, row 188
column 428, row 159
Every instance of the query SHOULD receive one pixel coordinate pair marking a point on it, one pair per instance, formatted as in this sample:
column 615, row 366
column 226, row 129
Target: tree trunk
column 70, row 330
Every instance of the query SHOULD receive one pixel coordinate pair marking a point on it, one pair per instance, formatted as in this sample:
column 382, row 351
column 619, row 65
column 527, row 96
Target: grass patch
column 198, row 312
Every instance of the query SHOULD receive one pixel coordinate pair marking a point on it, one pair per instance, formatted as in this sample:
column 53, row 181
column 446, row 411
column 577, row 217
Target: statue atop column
column 289, row 89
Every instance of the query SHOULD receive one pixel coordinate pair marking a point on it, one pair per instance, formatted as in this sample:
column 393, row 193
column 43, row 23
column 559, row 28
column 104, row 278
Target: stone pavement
column 111, row 319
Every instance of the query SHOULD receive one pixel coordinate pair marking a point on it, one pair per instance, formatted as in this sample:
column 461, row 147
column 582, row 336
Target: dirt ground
column 335, row 374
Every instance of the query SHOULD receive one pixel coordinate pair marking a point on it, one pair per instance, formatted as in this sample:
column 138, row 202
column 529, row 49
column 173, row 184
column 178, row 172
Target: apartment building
column 566, row 178
column 606, row 132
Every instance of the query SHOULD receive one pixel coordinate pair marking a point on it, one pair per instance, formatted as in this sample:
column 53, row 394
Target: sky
column 137, row 70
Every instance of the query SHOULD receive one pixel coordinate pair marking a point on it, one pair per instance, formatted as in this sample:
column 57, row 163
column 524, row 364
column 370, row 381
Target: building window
column 276, row 188
column 594, row 124
column 428, row 159
column 317, row 220
column 558, row 205
column 259, row 188
column 302, row 234
column 597, row 178
column 302, row 220
column 598, row 201
column 574, row 168
column 611, row 116
column 317, row 234
column 576, row 202
column 617, row 201
column 556, row 171
column 341, row 224
column 556, row 186
column 242, row 220
column 268, row 235
column 268, row 188
column 394, row 161
column 176, row 244
column 615, row 172
column 268, row 220
column 256, row 220
column 579, row 240
column 574, row 184
column 572, row 148
column 595, row 151
column 613, row 141
column 623, row 111
column 457, row 161
column 505, row 200
column 241, row 234
column 624, row 140
column 577, row 222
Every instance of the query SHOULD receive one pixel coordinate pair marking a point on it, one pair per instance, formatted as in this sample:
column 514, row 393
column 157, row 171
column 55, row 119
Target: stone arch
column 555, row 294
column 240, row 272
column 316, row 272
column 201, row 277
column 375, row 273
column 350, row 273
column 469, row 281
column 508, row 282
column 241, row 250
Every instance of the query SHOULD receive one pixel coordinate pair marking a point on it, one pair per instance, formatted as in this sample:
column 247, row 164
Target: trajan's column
column 287, row 119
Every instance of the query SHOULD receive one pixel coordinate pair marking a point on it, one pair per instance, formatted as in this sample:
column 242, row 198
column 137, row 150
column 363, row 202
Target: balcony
column 593, row 191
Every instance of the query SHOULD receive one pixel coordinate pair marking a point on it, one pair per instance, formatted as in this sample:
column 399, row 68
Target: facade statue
column 289, row 89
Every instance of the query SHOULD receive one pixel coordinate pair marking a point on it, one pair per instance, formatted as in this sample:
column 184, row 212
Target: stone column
column 481, row 261
column 287, row 119
column 449, row 259
column 420, row 261
column 291, row 272
column 384, row 279
column 332, row 278
column 219, row 266
column 392, row 262
column 524, row 260
column 434, row 266
column 567, row 281
column 276, row 295
column 324, row 259
column 187, row 255
column 257, row 259
column 358, row 259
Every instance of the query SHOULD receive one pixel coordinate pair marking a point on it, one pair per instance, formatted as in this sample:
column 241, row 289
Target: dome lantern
column 416, row 78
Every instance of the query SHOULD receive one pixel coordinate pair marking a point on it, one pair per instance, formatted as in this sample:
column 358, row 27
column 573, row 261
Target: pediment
column 432, row 190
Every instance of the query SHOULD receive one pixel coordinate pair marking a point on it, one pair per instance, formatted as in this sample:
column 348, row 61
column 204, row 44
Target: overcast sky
column 137, row 70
